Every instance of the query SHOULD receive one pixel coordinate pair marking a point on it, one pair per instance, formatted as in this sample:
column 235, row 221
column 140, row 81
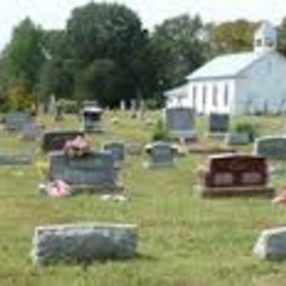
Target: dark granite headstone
column 180, row 122
column 56, row 140
column 92, row 119
column 218, row 123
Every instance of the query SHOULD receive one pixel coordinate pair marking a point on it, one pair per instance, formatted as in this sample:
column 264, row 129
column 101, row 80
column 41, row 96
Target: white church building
column 248, row 82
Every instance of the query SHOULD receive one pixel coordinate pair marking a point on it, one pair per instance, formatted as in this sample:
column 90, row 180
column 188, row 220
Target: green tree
column 104, row 40
column 232, row 36
column 24, row 56
column 179, row 49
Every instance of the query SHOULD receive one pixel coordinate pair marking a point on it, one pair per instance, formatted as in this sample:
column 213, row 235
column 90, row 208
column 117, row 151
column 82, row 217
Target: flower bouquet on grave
column 77, row 147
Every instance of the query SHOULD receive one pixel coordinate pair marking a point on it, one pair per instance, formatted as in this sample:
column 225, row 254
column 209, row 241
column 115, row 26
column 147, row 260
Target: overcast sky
column 54, row 13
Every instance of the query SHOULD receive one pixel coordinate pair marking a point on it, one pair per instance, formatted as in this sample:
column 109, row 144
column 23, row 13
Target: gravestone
column 31, row 132
column 93, row 171
column 56, row 140
column 92, row 119
column 237, row 138
column 83, row 243
column 271, row 147
column 271, row 244
column 15, row 159
column 235, row 175
column 15, row 121
column 161, row 154
column 218, row 123
column 117, row 151
column 180, row 123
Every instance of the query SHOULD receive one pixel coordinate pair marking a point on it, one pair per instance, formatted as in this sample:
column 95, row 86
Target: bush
column 246, row 127
column 160, row 132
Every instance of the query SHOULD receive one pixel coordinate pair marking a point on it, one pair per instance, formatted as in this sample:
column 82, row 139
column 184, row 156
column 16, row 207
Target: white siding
column 262, row 87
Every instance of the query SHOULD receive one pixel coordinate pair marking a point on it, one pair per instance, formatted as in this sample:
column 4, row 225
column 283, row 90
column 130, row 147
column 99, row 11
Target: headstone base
column 249, row 191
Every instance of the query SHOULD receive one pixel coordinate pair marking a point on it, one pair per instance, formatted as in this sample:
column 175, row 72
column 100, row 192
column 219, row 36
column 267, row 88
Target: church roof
column 225, row 66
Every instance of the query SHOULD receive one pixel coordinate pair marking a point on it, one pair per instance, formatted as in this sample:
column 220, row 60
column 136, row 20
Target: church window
column 226, row 95
column 194, row 96
column 214, row 95
column 204, row 97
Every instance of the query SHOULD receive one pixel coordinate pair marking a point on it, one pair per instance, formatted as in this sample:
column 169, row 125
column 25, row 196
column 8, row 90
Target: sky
column 52, row 14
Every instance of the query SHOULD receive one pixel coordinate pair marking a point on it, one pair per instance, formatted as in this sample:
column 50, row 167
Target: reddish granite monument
column 235, row 175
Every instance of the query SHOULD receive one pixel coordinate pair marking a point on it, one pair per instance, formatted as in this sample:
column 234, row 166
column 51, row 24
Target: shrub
column 160, row 132
column 246, row 127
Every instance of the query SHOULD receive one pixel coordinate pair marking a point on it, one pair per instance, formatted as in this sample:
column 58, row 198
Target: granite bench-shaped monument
column 56, row 140
column 235, row 175
column 271, row 147
column 93, row 172
column 83, row 243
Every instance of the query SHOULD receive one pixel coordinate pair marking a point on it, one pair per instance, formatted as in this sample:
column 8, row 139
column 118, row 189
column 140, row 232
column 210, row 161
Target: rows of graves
column 75, row 167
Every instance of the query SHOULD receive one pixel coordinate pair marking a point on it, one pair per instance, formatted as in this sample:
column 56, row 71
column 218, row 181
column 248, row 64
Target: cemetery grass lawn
column 183, row 239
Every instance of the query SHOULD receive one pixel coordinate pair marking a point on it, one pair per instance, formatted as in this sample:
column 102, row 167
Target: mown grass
column 183, row 239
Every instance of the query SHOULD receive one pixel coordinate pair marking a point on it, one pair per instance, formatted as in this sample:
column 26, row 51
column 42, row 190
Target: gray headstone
column 15, row 121
column 218, row 123
column 232, row 139
column 161, row 154
column 92, row 119
column 271, row 147
column 83, row 243
column 56, row 140
column 180, row 122
column 271, row 244
column 31, row 132
column 116, row 149
column 91, row 170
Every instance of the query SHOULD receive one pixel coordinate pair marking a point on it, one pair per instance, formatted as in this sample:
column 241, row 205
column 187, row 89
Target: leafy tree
column 105, row 40
column 24, row 55
column 233, row 36
column 179, row 49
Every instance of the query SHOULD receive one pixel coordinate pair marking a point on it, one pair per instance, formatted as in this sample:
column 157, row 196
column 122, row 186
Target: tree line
column 105, row 54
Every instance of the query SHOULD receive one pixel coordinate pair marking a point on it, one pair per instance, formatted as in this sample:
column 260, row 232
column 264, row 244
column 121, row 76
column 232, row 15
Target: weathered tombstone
column 271, row 147
column 52, row 105
column 56, row 140
column 236, row 138
column 117, row 151
column 15, row 159
column 161, row 154
column 122, row 105
column 218, row 123
column 92, row 172
column 59, row 111
column 180, row 122
column 83, row 243
column 92, row 119
column 271, row 244
column 31, row 132
column 15, row 121
column 235, row 175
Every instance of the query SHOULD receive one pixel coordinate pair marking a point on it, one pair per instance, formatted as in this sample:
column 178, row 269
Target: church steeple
column 265, row 38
